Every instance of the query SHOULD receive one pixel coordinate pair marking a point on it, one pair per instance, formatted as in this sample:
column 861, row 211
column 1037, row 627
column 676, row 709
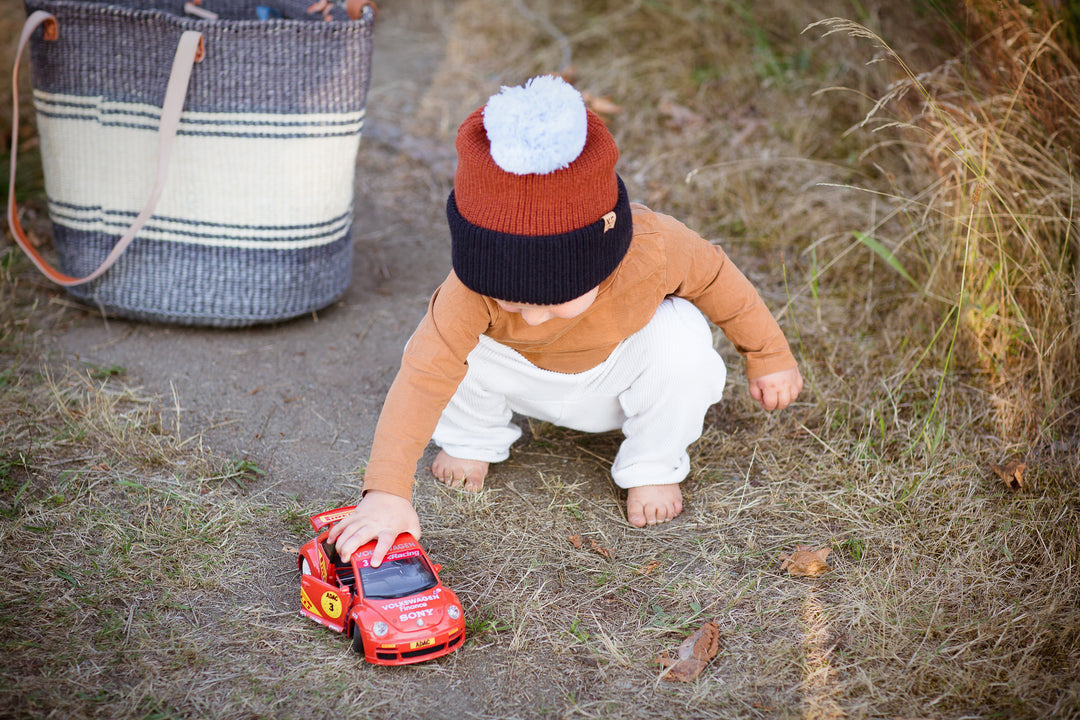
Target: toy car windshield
column 397, row 578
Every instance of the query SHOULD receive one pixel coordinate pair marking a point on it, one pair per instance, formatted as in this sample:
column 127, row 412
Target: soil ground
column 554, row 631
column 300, row 399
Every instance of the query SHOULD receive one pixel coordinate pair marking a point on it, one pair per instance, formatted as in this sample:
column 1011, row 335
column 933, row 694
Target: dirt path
column 300, row 399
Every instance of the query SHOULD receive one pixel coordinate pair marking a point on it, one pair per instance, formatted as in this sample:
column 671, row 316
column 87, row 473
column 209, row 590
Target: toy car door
column 324, row 603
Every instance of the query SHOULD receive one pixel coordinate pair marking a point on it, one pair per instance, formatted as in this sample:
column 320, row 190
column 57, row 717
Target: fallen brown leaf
column 806, row 562
column 603, row 106
column 694, row 654
column 599, row 550
column 1012, row 473
column 647, row 569
column 575, row 540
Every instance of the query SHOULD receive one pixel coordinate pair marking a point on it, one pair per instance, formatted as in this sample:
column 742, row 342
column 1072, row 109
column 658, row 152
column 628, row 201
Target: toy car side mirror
column 437, row 567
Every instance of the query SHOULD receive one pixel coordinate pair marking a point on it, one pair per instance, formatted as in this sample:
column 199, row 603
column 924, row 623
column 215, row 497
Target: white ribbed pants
column 655, row 386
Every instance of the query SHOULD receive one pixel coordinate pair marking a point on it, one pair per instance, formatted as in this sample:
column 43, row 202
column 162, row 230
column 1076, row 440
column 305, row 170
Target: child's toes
column 672, row 511
column 455, row 480
column 653, row 504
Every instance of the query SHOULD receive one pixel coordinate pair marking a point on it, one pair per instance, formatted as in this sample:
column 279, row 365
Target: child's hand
column 380, row 515
column 777, row 390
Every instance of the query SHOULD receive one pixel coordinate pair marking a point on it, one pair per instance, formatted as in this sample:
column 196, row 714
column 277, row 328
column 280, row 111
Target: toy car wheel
column 357, row 638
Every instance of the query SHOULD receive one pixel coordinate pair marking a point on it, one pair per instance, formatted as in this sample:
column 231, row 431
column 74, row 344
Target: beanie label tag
column 609, row 221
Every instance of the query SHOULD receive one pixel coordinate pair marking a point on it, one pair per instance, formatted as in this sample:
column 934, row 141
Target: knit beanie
column 537, row 214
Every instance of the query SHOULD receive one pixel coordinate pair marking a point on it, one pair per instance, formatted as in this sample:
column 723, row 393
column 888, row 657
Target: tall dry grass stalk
column 993, row 237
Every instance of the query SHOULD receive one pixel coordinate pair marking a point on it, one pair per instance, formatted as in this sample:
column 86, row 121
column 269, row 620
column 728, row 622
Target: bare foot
column 652, row 504
column 457, row 473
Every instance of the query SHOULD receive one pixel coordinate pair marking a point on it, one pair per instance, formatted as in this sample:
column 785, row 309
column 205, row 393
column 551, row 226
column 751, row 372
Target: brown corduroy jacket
column 665, row 258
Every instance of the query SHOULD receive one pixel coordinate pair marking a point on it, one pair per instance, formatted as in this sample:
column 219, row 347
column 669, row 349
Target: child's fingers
column 354, row 535
column 386, row 539
column 337, row 529
column 379, row 516
column 777, row 390
column 755, row 391
column 791, row 391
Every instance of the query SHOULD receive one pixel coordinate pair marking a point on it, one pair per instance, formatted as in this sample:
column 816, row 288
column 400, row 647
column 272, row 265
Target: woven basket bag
column 199, row 157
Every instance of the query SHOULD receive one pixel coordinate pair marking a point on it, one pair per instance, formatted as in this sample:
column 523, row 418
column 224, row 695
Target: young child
column 568, row 304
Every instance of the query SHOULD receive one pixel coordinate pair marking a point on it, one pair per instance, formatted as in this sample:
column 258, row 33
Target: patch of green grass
column 483, row 622
column 578, row 632
column 100, row 373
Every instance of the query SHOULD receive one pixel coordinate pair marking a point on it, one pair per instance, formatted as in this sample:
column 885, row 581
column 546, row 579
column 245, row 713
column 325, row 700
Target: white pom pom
column 536, row 128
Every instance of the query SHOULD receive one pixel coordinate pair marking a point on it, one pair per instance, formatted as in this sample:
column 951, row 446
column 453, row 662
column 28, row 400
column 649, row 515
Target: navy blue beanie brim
column 538, row 270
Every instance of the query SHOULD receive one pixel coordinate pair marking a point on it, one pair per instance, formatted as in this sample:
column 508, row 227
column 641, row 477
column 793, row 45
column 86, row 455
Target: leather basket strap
column 189, row 50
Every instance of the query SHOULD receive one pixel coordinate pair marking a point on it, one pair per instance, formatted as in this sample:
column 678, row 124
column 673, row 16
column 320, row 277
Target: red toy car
column 396, row 614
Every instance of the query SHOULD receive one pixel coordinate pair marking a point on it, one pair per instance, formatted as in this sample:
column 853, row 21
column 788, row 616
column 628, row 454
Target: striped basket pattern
column 255, row 220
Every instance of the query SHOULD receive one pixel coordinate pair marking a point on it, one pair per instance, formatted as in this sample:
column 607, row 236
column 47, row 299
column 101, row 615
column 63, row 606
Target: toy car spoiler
column 330, row 517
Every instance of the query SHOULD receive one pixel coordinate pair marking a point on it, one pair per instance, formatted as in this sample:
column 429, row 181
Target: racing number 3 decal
column 330, row 601
column 331, row 604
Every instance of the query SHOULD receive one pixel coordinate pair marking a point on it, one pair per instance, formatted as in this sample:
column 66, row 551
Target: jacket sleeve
column 432, row 366
column 702, row 273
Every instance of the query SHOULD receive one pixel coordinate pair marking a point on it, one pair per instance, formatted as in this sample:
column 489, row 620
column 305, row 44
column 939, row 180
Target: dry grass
column 951, row 596
column 991, row 240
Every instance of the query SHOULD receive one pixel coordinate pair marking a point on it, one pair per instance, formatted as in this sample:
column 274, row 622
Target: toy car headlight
column 380, row 628
column 454, row 612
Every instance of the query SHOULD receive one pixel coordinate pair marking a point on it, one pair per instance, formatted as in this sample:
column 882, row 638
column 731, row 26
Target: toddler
column 566, row 303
